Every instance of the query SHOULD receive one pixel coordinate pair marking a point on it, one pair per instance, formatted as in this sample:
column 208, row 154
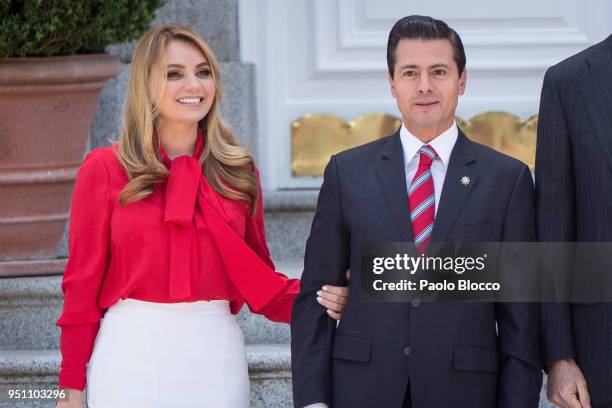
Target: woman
column 167, row 242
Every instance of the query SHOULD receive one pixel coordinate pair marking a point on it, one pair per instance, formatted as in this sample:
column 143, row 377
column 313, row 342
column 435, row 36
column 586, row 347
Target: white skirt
column 168, row 355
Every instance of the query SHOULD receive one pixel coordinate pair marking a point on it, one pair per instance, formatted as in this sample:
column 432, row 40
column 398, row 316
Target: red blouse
column 183, row 243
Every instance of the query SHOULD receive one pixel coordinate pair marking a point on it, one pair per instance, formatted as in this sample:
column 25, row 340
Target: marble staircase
column 30, row 306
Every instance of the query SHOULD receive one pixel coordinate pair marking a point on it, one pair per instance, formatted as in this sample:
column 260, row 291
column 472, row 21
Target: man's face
column 426, row 84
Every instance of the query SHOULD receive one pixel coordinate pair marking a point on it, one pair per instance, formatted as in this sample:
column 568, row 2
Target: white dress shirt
column 442, row 144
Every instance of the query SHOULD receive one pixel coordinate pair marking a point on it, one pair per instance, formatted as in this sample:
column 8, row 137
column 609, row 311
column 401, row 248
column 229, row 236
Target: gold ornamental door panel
column 316, row 137
column 505, row 133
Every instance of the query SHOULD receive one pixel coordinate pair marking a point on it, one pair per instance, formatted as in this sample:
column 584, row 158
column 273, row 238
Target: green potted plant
column 52, row 69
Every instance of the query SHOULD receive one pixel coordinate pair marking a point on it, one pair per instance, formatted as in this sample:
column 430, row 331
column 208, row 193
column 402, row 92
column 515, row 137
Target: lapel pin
column 465, row 180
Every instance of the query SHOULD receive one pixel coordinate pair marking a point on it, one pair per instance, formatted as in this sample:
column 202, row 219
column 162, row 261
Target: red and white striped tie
column 422, row 200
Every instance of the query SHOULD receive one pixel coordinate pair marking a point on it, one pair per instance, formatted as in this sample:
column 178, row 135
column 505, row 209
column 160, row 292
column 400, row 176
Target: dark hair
column 424, row 28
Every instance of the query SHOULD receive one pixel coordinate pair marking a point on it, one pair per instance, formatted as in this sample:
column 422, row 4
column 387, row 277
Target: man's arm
column 555, row 212
column 520, row 375
column 556, row 222
column 326, row 261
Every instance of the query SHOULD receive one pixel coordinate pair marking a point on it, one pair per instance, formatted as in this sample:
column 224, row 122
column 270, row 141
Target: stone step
column 288, row 218
column 269, row 372
column 30, row 306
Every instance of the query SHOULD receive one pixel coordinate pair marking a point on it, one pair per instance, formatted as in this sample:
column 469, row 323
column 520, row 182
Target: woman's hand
column 334, row 298
column 74, row 399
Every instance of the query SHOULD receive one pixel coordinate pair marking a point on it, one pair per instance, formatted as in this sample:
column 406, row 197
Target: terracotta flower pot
column 46, row 111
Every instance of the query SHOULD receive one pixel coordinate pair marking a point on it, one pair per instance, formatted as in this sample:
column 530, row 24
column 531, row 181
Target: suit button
column 416, row 303
column 407, row 351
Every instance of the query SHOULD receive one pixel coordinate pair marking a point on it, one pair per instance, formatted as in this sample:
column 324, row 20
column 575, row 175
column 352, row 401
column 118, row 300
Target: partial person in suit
column 574, row 204
column 408, row 187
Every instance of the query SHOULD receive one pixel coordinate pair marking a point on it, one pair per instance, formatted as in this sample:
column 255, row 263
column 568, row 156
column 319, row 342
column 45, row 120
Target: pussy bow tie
column 189, row 198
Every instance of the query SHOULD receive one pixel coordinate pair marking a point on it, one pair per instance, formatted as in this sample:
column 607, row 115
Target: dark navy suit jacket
column 574, row 201
column 451, row 353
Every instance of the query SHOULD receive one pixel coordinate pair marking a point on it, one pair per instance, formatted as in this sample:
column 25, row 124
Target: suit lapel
column 454, row 192
column 597, row 95
column 391, row 174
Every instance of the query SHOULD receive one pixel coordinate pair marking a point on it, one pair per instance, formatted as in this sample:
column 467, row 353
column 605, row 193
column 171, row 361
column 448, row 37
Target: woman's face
column 190, row 87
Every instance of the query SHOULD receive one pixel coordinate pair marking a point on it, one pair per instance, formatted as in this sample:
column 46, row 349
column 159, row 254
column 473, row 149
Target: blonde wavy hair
column 229, row 168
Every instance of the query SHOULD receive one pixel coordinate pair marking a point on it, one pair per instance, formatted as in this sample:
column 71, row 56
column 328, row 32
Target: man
column 574, row 204
column 423, row 355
